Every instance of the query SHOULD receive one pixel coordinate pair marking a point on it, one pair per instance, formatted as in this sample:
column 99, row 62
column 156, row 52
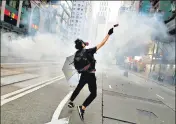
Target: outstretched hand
column 110, row 31
column 106, row 38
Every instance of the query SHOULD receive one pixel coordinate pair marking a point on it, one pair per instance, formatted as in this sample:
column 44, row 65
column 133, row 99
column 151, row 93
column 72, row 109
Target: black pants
column 90, row 79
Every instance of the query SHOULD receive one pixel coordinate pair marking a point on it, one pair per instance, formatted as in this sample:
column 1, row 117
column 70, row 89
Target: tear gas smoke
column 134, row 33
column 47, row 44
column 42, row 45
column 139, row 29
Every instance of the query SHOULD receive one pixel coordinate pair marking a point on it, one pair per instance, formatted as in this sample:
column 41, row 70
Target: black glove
column 110, row 31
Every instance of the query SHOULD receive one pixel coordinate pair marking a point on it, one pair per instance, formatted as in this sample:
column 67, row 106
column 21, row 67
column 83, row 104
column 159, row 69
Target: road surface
column 120, row 100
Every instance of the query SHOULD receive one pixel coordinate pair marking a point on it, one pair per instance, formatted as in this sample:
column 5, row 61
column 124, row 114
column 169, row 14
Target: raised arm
column 105, row 39
column 103, row 42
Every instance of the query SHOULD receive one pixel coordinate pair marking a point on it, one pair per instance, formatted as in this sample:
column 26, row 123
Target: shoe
column 71, row 105
column 81, row 112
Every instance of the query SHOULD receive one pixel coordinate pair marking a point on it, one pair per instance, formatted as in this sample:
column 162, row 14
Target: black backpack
column 81, row 62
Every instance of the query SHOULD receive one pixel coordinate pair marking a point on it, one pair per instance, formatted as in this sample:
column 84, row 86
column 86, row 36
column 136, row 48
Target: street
column 122, row 100
column 129, row 45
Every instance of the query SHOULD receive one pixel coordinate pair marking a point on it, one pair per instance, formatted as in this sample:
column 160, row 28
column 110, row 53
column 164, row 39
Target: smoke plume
column 134, row 33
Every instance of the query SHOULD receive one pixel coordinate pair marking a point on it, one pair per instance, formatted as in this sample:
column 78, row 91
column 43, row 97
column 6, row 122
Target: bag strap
column 82, row 52
column 87, row 66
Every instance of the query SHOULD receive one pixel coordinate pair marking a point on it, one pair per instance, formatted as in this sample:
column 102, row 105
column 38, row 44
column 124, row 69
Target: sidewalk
column 17, row 78
column 159, row 83
column 132, row 102
column 9, row 72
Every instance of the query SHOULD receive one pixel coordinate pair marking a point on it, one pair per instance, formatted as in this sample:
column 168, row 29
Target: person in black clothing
column 88, row 76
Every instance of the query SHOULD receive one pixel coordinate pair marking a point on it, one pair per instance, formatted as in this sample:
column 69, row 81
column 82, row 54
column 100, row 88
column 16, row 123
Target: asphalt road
column 36, row 107
column 120, row 100
column 136, row 101
column 43, row 72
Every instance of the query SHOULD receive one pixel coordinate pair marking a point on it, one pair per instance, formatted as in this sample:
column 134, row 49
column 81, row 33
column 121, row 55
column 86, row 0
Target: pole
column 3, row 4
column 157, row 46
column 30, row 20
column 50, row 16
column 160, row 64
column 19, row 13
column 152, row 58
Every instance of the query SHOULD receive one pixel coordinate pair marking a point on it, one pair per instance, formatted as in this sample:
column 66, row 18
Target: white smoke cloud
column 139, row 29
column 42, row 45
column 47, row 44
column 134, row 31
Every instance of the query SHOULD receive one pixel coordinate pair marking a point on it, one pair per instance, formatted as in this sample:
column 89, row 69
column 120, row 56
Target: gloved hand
column 110, row 31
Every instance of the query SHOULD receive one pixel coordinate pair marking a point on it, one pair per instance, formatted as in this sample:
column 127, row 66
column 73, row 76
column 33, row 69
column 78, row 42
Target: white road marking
column 110, row 87
column 28, row 63
column 159, row 96
column 60, row 121
column 29, row 87
column 60, row 106
column 27, row 92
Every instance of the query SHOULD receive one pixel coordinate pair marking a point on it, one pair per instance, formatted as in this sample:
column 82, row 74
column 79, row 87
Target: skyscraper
column 104, row 10
column 128, row 3
column 88, row 21
column 102, row 20
column 129, row 6
column 77, row 20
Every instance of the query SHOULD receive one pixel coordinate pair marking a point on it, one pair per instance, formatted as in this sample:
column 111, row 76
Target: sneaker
column 81, row 112
column 71, row 105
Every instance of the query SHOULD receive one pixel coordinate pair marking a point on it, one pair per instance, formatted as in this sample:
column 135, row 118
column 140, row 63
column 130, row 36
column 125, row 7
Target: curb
column 10, row 72
column 2, row 85
column 11, row 75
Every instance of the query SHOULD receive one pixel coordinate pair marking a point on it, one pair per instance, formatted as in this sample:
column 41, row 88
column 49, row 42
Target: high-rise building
column 78, row 17
column 127, row 3
column 129, row 6
column 88, row 27
column 104, row 12
column 102, row 19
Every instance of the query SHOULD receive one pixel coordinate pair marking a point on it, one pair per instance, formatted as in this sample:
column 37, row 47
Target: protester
column 87, row 73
